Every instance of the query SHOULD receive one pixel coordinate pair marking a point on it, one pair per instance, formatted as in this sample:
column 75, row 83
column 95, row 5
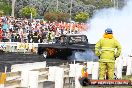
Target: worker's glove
column 115, row 58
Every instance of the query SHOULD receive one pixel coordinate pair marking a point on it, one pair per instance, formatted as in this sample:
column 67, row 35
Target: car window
column 77, row 39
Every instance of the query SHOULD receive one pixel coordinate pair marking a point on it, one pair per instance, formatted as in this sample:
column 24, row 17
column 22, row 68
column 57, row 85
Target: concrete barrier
column 118, row 67
column 28, row 66
column 129, row 66
column 56, row 74
column 22, row 75
column 24, row 78
column 95, row 71
column 51, row 75
column 72, row 70
column 90, row 66
column 77, row 75
column 59, row 76
column 33, row 79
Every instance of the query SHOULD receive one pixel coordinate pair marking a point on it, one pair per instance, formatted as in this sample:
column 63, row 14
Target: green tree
column 44, row 6
column 62, row 17
column 99, row 4
column 5, row 7
column 56, row 16
column 50, row 16
column 27, row 11
column 104, row 4
column 82, row 17
column 1, row 13
column 64, row 6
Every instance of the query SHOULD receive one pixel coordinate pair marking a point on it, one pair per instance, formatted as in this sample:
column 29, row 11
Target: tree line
column 60, row 10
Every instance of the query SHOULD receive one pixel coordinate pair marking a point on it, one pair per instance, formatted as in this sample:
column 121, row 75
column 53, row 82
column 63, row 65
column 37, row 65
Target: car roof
column 73, row 35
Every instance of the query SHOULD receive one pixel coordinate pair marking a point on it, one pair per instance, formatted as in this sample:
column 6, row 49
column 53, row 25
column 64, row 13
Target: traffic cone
column 3, row 78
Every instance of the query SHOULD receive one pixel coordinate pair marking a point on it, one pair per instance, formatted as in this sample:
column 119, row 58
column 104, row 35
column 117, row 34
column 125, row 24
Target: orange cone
column 3, row 78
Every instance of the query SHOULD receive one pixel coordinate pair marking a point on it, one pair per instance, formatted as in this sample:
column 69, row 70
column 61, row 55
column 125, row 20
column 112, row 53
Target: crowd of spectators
column 35, row 30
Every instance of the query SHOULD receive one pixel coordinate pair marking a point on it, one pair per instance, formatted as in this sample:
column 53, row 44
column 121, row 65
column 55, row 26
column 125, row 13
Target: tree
column 56, row 16
column 82, row 17
column 5, row 7
column 83, row 8
column 27, row 11
column 50, row 16
column 104, row 4
column 44, row 6
column 99, row 4
column 63, row 17
column 1, row 13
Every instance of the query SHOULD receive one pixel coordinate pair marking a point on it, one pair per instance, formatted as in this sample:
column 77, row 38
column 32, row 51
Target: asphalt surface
column 8, row 59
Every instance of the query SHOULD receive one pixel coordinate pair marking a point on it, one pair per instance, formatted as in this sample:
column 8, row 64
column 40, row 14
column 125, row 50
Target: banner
column 22, row 46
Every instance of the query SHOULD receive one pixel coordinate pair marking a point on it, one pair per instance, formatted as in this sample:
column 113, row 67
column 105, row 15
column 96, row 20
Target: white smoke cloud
column 119, row 20
column 88, row 55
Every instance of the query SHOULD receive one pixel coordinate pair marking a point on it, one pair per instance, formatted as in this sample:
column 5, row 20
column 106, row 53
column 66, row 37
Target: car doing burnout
column 64, row 46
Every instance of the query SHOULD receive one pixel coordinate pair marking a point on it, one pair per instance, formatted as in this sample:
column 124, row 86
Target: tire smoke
column 119, row 20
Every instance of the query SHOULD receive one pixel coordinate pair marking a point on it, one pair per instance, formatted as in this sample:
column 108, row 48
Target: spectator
column 1, row 34
column 12, row 37
column 30, row 37
column 17, row 38
column 45, row 30
column 35, row 37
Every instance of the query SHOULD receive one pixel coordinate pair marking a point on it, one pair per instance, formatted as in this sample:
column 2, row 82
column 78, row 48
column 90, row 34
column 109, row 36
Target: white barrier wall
column 129, row 65
column 77, row 75
column 95, row 70
column 24, row 78
column 90, row 66
column 59, row 76
column 33, row 79
column 2, row 86
column 28, row 66
column 72, row 70
column 52, row 71
column 29, row 79
column 119, row 67
column 56, row 74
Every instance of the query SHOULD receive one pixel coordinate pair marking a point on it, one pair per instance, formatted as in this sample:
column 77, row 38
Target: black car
column 64, row 46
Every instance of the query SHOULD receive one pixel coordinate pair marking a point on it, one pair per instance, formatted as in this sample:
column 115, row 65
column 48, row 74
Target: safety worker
column 84, row 71
column 107, row 49
column 84, row 80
